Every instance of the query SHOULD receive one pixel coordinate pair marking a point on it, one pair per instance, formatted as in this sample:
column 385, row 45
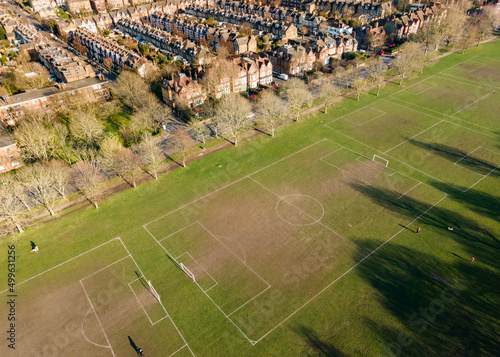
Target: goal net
column 377, row 158
column 188, row 272
column 153, row 291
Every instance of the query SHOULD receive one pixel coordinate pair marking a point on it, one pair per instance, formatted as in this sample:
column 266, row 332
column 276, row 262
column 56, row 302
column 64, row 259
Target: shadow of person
column 132, row 343
column 33, row 245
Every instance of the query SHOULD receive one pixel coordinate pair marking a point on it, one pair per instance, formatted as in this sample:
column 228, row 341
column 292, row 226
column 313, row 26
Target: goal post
column 381, row 159
column 188, row 272
column 153, row 291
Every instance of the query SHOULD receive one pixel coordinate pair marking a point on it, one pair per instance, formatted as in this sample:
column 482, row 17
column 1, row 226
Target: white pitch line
column 58, row 265
column 348, row 271
column 474, row 102
column 180, row 230
column 97, row 317
column 414, row 136
column 250, row 300
column 307, row 214
column 85, row 336
column 106, row 267
column 482, row 178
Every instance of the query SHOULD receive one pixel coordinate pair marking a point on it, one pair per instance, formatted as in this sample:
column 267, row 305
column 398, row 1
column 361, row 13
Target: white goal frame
column 381, row 158
column 188, row 272
column 153, row 291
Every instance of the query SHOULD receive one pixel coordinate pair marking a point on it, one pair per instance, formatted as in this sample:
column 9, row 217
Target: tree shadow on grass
column 465, row 229
column 454, row 154
column 477, row 201
column 320, row 347
column 443, row 308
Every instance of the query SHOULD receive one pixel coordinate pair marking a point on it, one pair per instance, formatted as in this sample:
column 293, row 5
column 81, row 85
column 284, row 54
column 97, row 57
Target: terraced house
column 101, row 48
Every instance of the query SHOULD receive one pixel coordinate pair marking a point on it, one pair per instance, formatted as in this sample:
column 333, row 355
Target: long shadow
column 453, row 154
column 477, row 201
column 320, row 347
column 464, row 228
column 443, row 308
column 132, row 343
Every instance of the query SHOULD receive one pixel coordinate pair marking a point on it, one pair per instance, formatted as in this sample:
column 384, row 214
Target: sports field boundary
column 367, row 254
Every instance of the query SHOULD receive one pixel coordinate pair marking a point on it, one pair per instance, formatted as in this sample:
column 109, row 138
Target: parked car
column 283, row 76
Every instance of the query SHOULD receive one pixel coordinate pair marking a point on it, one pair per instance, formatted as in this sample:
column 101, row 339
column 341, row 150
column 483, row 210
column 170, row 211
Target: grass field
column 300, row 245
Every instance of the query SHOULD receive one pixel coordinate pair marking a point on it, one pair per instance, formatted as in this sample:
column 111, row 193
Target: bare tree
column 452, row 25
column 430, row 35
column 485, row 22
column 297, row 95
column 199, row 129
column 150, row 115
column 132, row 88
column 86, row 177
column 407, row 60
column 181, row 143
column 220, row 76
column 126, row 164
column 151, row 155
column 61, row 136
column 330, row 93
column 376, row 73
column 233, row 111
column 60, row 176
column 36, row 139
column 271, row 110
column 85, row 127
column 40, row 184
column 13, row 183
column 32, row 75
column 427, row 60
column 11, row 210
column 469, row 36
column 360, row 87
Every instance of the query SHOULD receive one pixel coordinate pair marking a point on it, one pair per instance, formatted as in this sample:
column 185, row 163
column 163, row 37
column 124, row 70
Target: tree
column 79, row 46
column 126, row 165
column 151, row 155
column 181, row 142
column 31, row 76
column 485, row 22
column 199, row 129
column 60, row 176
column 61, row 136
column 469, row 35
column 14, row 185
column 430, row 35
column 407, row 60
column 360, row 87
column 329, row 93
column 150, row 115
column 35, row 139
column 86, row 128
column 86, row 177
column 233, row 111
column 40, row 184
column 11, row 210
column 427, row 60
column 271, row 110
column 452, row 25
column 132, row 88
column 220, row 76
column 297, row 95
column 376, row 73
column 245, row 29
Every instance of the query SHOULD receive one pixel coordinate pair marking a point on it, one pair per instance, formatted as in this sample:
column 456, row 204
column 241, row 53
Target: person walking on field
column 418, row 230
column 472, row 260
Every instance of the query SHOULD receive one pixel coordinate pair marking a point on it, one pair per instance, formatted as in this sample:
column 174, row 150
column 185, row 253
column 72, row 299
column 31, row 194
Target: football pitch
column 308, row 249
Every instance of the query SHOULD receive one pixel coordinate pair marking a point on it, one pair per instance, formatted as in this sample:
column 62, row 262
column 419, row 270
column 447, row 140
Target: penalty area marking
column 254, row 342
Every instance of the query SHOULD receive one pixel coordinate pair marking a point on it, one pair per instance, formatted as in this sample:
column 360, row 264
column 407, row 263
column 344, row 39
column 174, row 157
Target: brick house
column 182, row 91
column 10, row 157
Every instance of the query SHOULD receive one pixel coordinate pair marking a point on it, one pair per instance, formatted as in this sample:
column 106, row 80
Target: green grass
column 419, row 294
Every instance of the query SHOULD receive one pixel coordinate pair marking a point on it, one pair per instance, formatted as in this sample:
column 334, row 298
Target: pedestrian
column 450, row 228
column 472, row 260
column 418, row 230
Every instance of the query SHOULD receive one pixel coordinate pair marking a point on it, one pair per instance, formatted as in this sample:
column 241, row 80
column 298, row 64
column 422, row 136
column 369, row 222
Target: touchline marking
column 349, row 270
column 97, row 317
column 474, row 102
column 58, row 265
column 423, row 131
column 180, row 230
column 106, row 267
